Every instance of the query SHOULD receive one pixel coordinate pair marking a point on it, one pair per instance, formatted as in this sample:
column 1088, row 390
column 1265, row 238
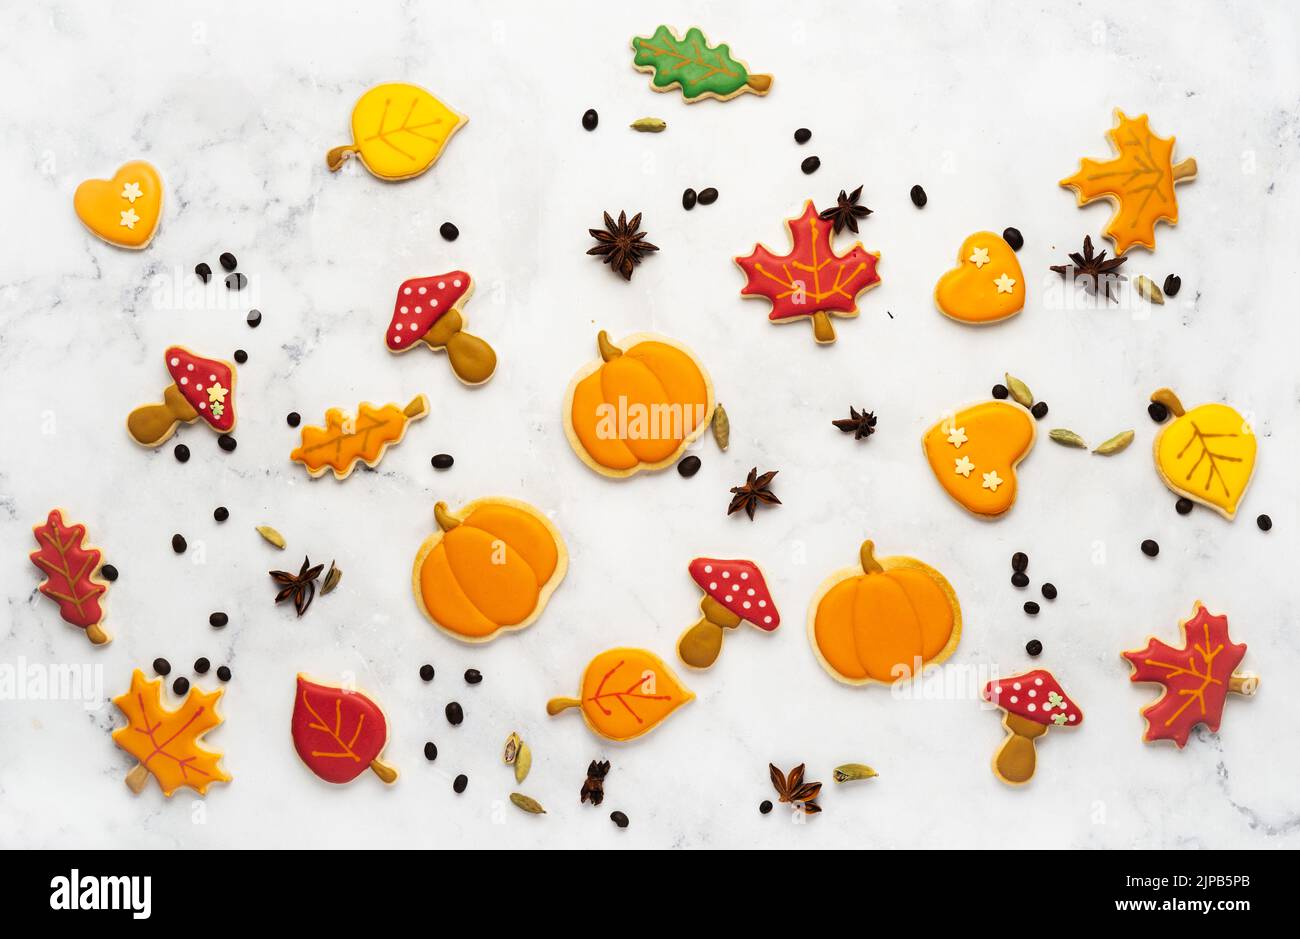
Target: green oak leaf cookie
column 691, row 64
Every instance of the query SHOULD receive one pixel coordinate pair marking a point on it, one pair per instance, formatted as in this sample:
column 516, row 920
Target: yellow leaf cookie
column 974, row 454
column 124, row 210
column 987, row 284
column 1206, row 454
column 625, row 693
column 398, row 130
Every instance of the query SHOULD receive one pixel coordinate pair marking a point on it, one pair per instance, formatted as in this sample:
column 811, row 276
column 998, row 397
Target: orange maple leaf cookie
column 166, row 742
column 345, row 440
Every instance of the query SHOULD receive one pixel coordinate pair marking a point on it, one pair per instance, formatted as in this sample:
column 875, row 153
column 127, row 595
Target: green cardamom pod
column 649, row 125
column 1148, row 290
column 1020, row 392
column 513, row 743
column 721, row 427
column 523, row 762
column 1115, row 444
column 851, row 771
column 271, row 535
column 332, row 578
column 527, row 803
column 1067, row 438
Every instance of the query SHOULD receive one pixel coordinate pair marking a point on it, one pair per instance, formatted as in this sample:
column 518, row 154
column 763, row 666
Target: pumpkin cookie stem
column 608, row 351
column 1170, row 400
column 868, row 555
column 1244, row 684
column 556, row 705
column 1184, row 170
column 446, row 521
column 384, row 771
column 339, row 155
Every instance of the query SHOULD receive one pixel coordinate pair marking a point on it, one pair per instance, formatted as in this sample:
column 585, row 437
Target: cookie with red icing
column 1033, row 702
column 735, row 592
column 339, row 733
column 427, row 310
column 71, row 568
column 200, row 389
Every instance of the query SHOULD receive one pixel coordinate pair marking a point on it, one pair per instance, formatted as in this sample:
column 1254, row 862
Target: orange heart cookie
column 986, row 285
column 124, row 210
column 974, row 453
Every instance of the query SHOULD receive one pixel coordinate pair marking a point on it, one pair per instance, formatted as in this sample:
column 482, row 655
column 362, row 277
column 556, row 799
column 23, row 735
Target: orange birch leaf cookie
column 345, row 440
column 1206, row 454
column 1033, row 702
column 70, row 567
column 974, row 454
column 625, row 693
column 167, row 742
column 124, row 210
column 1139, row 179
column 339, row 733
column 490, row 567
column 987, row 284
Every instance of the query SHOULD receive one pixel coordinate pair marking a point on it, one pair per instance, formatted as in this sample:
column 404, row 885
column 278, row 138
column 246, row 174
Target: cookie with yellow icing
column 398, row 131
column 987, row 284
column 124, row 210
column 974, row 454
column 1206, row 454
column 490, row 567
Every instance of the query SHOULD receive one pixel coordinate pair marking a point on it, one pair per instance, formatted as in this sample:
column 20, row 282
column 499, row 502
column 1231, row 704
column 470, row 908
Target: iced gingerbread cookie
column 625, row 693
column 398, row 131
column 491, row 566
column 339, row 733
column 345, row 440
column 200, row 388
column 166, row 742
column 1139, row 179
column 811, row 281
column 71, row 568
column 638, row 406
column 700, row 71
column 987, row 284
column 124, row 210
column 1206, row 454
column 884, row 620
column 1033, row 702
column 974, row 454
column 735, row 592
column 427, row 310
column 1197, row 678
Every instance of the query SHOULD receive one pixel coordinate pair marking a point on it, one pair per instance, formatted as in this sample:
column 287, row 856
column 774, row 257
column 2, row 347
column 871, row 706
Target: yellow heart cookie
column 974, row 454
column 1206, row 454
column 986, row 285
column 124, row 210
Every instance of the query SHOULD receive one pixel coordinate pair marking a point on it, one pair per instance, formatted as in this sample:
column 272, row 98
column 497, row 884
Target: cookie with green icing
column 691, row 64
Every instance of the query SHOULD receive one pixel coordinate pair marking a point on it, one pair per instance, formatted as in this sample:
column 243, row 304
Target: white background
column 987, row 105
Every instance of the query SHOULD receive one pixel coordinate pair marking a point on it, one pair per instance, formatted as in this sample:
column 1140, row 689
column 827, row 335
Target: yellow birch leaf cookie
column 1206, row 454
column 398, row 130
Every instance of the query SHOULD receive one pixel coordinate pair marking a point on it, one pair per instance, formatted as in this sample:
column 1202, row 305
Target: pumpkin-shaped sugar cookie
column 883, row 620
column 987, row 284
column 974, row 454
column 491, row 566
column 1206, row 454
column 638, row 406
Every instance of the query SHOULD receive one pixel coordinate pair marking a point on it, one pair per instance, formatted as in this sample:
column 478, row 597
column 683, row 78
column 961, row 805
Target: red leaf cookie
column 339, row 733
column 70, row 566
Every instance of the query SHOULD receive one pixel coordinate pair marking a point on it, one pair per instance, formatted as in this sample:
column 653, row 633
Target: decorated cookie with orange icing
column 428, row 311
column 346, row 440
column 974, row 454
column 625, row 693
column 71, row 568
column 124, row 210
column 398, row 131
column 987, row 284
column 883, row 620
column 638, row 406
column 339, row 732
column 168, row 742
column 200, row 388
column 491, row 567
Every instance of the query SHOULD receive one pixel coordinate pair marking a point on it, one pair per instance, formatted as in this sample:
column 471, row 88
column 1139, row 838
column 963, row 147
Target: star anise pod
column 593, row 789
column 621, row 244
column 755, row 490
column 791, row 788
column 300, row 587
column 846, row 211
column 1092, row 272
column 859, row 423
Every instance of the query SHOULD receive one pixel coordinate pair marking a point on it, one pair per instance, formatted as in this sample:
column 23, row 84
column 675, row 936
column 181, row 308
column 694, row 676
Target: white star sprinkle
column 131, row 192
column 957, row 436
column 992, row 481
column 129, row 218
column 964, row 466
column 979, row 257
column 1005, row 283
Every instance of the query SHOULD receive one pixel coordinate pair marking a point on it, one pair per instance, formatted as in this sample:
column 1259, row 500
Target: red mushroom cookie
column 426, row 310
column 201, row 388
column 734, row 592
column 1033, row 702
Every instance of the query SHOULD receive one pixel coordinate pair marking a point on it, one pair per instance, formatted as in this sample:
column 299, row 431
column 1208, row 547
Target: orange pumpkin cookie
column 166, row 742
column 1139, row 179
column 346, row 440
column 987, row 284
column 491, row 566
column 884, row 620
column 637, row 407
column 625, row 693
column 974, row 454
column 124, row 210
column 1206, row 454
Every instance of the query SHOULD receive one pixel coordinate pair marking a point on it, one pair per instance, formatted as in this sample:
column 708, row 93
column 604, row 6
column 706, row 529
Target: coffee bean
column 455, row 713
column 182, row 453
column 223, row 673
column 221, row 513
column 689, row 198
column 1173, row 284
column 688, row 466
column 1013, row 237
column 1184, row 505
column 228, row 261
column 293, row 419
column 204, row 272
column 460, row 784
column 590, row 119
column 201, row 665
column 181, row 685
column 919, row 198
column 619, row 819
column 108, row 572
column 218, row 620
column 426, row 672
column 241, row 356
column 1150, row 548
column 178, row 544
column 162, row 667
column 430, row 751
column 227, row 443
column 1034, row 647
column 1049, row 591
column 1039, row 410
column 473, row 676
column 1000, row 392
column 708, row 196
column 1019, row 579
column 802, row 135
column 236, row 281
column 1020, row 561
column 254, row 319
column 442, row 461
column 1031, row 607
column 1264, row 522
column 765, row 806
column 448, row 231
column 810, row 165
column 1159, row 413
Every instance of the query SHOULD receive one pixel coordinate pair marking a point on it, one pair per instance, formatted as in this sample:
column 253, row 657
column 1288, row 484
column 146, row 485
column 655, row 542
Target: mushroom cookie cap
column 739, row 586
column 1035, row 696
column 421, row 302
column 208, row 385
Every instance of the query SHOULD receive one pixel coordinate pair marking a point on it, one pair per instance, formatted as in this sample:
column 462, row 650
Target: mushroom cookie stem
column 1016, row 759
column 735, row 592
column 150, row 424
column 472, row 359
column 700, row 645
column 428, row 310
column 1034, row 703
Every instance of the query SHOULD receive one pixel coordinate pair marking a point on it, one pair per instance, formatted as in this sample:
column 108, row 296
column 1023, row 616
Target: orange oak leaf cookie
column 987, row 284
column 812, row 281
column 625, row 693
column 735, row 592
column 974, row 454
column 346, row 440
column 427, row 310
column 200, row 388
column 1139, row 179
column 339, row 733
column 1197, row 678
column 1033, row 702
column 884, row 620
column 638, row 406
column 491, row 566
column 1206, row 454
column 124, row 210
column 71, row 567
column 167, row 742
column 398, row 131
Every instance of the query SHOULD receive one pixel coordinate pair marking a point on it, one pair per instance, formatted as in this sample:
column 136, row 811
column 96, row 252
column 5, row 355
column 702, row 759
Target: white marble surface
column 987, row 105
